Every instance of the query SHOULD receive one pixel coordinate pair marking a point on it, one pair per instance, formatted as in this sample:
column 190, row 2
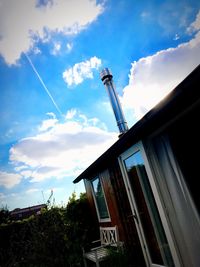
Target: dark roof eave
column 115, row 149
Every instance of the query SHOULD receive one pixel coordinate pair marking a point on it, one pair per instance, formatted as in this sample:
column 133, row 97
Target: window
column 145, row 205
column 99, row 199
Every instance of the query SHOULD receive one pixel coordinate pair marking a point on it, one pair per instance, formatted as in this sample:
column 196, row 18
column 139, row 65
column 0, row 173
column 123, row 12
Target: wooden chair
column 108, row 237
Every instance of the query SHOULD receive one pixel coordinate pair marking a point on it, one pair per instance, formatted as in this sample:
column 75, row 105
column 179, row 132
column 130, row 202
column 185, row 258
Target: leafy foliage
column 4, row 215
column 117, row 257
column 52, row 239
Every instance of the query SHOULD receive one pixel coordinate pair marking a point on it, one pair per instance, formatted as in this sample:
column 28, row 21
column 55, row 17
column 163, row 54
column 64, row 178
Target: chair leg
column 96, row 258
column 85, row 262
column 97, row 263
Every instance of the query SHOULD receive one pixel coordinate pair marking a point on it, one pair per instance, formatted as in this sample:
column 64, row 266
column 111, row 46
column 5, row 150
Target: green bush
column 117, row 257
column 52, row 239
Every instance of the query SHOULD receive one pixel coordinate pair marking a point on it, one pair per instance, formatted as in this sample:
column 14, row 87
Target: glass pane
column 100, row 200
column 141, row 190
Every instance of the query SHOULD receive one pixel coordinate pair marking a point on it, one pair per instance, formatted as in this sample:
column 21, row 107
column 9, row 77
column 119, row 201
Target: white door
column 144, row 207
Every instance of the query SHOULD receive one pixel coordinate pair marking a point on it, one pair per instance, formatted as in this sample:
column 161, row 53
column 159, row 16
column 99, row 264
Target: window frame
column 139, row 146
column 108, row 219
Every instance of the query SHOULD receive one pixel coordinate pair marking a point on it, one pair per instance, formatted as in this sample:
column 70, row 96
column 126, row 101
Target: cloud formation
column 9, row 180
column 153, row 77
column 81, row 71
column 56, row 48
column 194, row 26
column 62, row 149
column 23, row 23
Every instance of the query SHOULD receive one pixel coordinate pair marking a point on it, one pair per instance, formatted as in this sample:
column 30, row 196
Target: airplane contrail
column 44, row 86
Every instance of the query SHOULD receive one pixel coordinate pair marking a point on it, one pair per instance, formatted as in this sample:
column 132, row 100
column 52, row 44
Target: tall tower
column 106, row 77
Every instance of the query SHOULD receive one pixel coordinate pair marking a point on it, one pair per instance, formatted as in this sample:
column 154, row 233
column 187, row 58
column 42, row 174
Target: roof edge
column 150, row 115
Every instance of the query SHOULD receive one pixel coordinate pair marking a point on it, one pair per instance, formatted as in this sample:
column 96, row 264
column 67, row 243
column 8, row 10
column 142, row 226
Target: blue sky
column 55, row 116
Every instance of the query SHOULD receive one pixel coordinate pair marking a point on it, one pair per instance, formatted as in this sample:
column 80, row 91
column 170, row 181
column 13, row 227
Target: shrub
column 117, row 257
column 52, row 239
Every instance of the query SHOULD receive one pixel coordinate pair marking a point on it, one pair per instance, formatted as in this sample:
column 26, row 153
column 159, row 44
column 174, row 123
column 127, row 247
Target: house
column 147, row 183
column 19, row 214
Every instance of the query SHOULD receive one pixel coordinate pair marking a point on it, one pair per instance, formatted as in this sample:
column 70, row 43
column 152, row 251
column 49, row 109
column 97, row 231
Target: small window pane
column 100, row 199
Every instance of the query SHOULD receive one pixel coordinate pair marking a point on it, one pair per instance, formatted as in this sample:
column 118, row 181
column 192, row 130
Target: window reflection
column 147, row 209
column 100, row 199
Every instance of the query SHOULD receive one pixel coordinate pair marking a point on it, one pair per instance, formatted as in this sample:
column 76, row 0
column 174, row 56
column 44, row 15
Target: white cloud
column 2, row 196
column 51, row 115
column 63, row 150
column 70, row 114
column 167, row 15
column 194, row 26
column 56, row 48
column 26, row 173
column 153, row 77
column 36, row 50
column 81, row 71
column 9, row 180
column 69, row 47
column 23, row 22
column 46, row 124
column 20, row 168
column 32, row 191
column 176, row 37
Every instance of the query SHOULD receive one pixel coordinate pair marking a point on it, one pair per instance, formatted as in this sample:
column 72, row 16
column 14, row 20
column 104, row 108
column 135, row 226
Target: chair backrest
column 109, row 236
